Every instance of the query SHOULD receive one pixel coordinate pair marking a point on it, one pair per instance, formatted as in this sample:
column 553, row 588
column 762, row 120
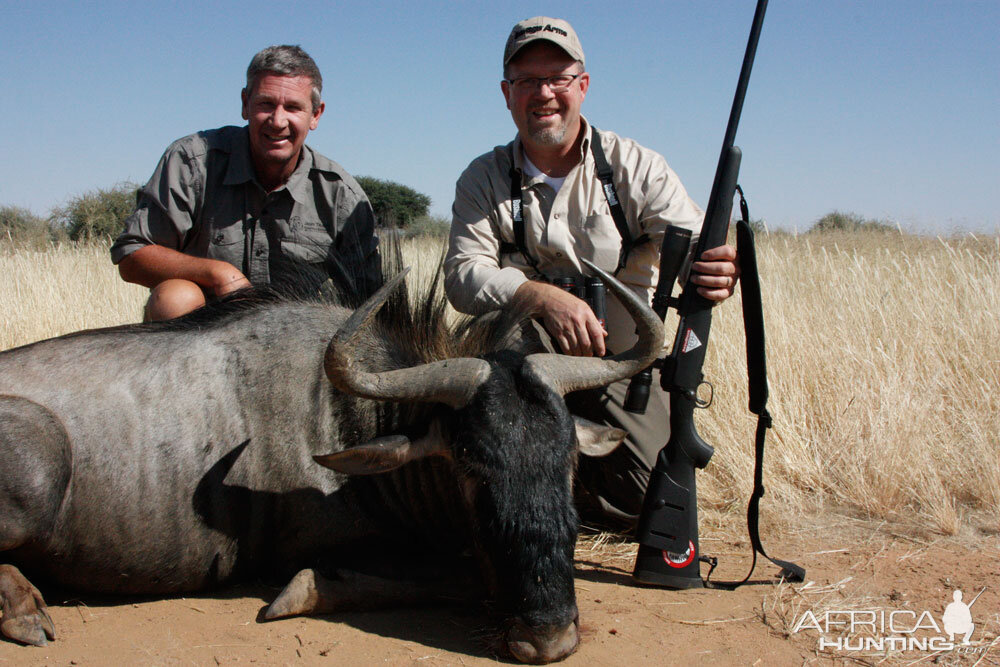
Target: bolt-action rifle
column 667, row 533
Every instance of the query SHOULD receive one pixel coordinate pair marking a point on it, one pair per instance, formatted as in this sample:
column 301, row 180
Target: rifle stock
column 669, row 553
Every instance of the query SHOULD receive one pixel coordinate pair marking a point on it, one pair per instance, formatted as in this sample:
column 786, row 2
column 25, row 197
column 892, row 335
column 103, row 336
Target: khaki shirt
column 560, row 228
column 204, row 200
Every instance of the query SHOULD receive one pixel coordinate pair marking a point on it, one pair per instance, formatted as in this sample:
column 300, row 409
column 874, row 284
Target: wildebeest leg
column 311, row 593
column 34, row 476
column 24, row 615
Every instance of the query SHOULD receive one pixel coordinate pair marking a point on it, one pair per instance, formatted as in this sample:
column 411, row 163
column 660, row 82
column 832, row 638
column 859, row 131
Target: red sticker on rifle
column 691, row 341
column 680, row 560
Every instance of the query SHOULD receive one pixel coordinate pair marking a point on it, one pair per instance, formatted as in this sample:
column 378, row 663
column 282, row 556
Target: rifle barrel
column 730, row 137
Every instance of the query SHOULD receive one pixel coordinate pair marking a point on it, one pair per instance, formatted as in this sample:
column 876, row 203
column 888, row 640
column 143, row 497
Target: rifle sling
column 753, row 324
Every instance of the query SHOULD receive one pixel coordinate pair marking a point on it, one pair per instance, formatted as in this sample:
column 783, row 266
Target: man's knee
column 173, row 298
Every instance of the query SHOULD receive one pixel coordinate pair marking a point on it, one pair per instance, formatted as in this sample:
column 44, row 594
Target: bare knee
column 173, row 298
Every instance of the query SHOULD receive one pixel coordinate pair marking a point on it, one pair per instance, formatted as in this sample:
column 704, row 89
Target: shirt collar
column 298, row 183
column 585, row 144
column 240, row 169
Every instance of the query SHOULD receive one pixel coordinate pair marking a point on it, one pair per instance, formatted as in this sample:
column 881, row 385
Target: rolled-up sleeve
column 474, row 280
column 165, row 206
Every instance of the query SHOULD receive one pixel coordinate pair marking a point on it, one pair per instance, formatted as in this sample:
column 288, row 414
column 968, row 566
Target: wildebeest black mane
column 420, row 319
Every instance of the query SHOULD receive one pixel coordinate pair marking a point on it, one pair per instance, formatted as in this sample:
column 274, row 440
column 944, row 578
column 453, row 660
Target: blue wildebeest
column 179, row 456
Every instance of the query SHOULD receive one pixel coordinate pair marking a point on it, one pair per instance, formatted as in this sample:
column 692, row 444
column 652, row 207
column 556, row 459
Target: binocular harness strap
column 605, row 174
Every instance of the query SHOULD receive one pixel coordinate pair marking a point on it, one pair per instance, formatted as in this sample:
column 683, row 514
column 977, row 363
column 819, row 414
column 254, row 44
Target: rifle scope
column 673, row 251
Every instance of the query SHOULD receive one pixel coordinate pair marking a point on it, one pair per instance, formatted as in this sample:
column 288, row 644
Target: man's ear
column 317, row 112
column 505, row 88
column 584, row 85
column 245, row 102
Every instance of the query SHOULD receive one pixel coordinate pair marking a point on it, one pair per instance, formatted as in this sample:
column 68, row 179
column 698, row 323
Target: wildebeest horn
column 451, row 381
column 565, row 374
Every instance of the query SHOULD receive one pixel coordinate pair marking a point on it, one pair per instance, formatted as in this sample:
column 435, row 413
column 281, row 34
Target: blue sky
column 889, row 109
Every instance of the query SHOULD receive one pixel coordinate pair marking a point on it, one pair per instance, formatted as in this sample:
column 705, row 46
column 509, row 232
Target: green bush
column 22, row 226
column 395, row 205
column 850, row 222
column 429, row 225
column 98, row 214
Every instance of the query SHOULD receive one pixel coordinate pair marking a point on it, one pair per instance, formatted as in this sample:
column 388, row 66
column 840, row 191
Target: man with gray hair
column 527, row 213
column 253, row 205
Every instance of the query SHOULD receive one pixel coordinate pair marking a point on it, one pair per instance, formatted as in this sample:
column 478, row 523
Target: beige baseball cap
column 557, row 31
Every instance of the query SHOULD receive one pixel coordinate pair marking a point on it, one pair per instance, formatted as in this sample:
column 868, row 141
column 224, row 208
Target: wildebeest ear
column 596, row 439
column 384, row 454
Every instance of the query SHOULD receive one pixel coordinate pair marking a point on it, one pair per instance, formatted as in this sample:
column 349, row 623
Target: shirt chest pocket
column 226, row 243
column 600, row 241
column 308, row 242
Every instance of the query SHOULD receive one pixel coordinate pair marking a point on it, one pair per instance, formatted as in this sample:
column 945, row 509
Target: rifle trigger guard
column 700, row 402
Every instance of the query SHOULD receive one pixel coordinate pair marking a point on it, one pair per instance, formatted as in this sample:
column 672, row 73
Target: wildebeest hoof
column 302, row 595
column 35, row 629
column 24, row 615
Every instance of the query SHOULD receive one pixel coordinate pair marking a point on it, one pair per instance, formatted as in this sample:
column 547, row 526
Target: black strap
column 606, row 176
column 753, row 324
column 517, row 218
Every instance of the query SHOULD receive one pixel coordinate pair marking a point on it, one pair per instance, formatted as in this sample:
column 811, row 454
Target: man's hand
column 569, row 319
column 226, row 278
column 716, row 273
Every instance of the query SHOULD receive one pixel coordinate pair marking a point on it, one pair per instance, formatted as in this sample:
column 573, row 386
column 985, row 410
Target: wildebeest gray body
column 149, row 414
column 172, row 457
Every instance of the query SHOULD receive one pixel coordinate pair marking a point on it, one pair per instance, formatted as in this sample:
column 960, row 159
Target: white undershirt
column 532, row 171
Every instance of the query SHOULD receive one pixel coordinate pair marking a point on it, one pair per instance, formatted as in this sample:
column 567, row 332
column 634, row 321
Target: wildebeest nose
column 538, row 646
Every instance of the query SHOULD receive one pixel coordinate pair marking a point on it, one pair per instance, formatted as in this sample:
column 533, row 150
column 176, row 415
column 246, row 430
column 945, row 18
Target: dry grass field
column 882, row 473
column 884, row 367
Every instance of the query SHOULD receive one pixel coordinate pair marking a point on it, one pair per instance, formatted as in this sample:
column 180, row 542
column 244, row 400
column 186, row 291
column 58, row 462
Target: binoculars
column 589, row 288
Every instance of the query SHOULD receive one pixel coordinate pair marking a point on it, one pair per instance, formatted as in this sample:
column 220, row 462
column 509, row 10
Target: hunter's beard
column 549, row 136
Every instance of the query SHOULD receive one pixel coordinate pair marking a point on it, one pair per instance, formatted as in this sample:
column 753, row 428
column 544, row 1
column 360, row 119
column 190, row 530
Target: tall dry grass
column 61, row 288
column 884, row 364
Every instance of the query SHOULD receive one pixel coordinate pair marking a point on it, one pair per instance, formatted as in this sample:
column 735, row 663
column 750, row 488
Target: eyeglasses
column 559, row 83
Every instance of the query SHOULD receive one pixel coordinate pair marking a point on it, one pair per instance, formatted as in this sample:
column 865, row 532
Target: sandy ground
column 852, row 566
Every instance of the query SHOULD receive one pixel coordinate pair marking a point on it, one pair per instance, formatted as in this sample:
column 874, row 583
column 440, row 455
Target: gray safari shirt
column 204, row 200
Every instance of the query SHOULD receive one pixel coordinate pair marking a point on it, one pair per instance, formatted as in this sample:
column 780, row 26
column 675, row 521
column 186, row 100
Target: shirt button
column 556, row 216
column 259, row 252
column 558, row 254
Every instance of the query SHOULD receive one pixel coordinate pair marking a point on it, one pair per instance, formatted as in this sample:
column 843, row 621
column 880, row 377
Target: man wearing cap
column 548, row 178
column 236, row 206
